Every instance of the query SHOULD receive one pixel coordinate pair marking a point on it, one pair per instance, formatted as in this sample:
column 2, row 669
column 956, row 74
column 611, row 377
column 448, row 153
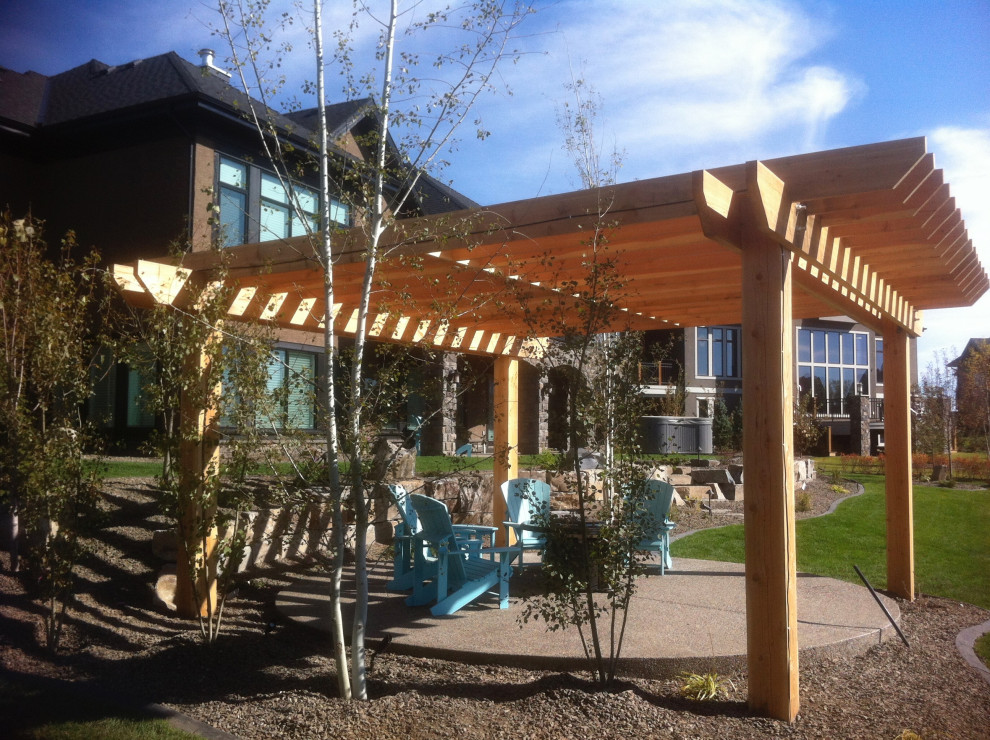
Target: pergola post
column 897, row 444
column 771, row 571
column 199, row 460
column 506, row 463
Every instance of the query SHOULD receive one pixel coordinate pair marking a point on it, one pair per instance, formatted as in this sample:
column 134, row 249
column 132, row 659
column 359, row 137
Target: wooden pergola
column 868, row 232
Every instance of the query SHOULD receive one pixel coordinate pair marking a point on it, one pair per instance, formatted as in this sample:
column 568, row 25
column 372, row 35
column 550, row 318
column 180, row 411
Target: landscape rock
column 165, row 588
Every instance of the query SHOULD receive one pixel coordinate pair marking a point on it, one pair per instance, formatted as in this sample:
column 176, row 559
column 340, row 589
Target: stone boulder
column 392, row 461
column 165, row 588
column 736, row 471
column 721, row 480
column 661, row 472
column 804, row 469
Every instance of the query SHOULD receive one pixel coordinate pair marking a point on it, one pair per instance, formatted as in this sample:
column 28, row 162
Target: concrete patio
column 693, row 618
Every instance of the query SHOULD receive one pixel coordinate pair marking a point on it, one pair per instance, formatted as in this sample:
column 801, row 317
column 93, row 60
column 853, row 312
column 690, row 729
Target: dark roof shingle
column 96, row 90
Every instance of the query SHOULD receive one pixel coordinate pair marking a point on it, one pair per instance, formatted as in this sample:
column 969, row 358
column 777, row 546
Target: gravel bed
column 264, row 679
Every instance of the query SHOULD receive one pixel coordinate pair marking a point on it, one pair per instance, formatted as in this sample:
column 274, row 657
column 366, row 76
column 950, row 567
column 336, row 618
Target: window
column 278, row 219
column 255, row 206
column 292, row 385
column 101, row 403
column 832, row 367
column 718, row 352
column 879, row 345
column 119, row 393
column 233, row 202
column 138, row 414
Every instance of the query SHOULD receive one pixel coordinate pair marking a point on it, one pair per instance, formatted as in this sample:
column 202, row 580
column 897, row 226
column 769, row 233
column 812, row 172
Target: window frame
column 821, row 363
column 296, row 400
column 253, row 222
column 718, row 345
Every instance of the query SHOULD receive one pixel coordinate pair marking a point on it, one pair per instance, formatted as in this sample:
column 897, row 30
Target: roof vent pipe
column 206, row 56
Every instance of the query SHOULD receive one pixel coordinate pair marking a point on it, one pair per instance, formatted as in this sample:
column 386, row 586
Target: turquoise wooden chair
column 405, row 531
column 524, row 499
column 659, row 495
column 458, row 574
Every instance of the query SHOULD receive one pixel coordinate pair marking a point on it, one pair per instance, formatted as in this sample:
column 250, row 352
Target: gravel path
column 275, row 681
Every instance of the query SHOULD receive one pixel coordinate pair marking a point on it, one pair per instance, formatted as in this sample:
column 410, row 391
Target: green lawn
column 425, row 465
column 132, row 468
column 54, row 711
column 952, row 550
column 982, row 648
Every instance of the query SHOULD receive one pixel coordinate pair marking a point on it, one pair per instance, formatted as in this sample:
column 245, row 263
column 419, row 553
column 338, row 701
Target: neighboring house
column 132, row 156
column 969, row 389
column 837, row 362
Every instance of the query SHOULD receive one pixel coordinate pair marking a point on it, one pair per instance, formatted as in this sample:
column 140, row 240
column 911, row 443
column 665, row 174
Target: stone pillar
column 543, row 433
column 859, row 425
column 451, row 383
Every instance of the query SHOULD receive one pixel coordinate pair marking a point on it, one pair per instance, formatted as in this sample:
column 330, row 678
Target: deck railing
column 833, row 410
column 658, row 373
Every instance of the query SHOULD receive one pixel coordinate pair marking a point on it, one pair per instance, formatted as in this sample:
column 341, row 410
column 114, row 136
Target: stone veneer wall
column 859, row 425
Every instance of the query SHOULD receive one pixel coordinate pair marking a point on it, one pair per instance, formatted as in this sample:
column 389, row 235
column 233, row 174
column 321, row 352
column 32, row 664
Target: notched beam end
column 714, row 201
column 162, row 281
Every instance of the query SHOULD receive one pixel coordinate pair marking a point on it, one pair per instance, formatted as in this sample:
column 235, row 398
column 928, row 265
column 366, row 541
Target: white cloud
column 684, row 83
column 964, row 155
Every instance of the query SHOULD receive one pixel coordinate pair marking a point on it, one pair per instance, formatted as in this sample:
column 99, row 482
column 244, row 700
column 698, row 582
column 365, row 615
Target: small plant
column 837, row 488
column 948, row 483
column 909, row 735
column 704, row 687
column 547, row 460
column 802, row 501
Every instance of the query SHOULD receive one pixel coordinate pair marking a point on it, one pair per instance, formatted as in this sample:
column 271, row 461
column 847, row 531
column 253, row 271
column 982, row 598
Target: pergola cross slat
column 870, row 232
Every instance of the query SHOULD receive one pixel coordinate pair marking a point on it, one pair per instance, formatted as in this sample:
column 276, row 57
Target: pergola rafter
column 870, row 232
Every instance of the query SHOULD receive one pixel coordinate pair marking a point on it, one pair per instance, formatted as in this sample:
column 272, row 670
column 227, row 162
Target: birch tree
column 421, row 113
column 974, row 394
column 589, row 581
column 932, row 432
column 50, row 333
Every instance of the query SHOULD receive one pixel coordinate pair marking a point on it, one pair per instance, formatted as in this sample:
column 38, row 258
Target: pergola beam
column 869, row 232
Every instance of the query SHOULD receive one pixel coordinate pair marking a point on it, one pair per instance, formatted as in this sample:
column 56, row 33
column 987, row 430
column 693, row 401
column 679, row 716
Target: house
column 972, row 368
column 134, row 156
column 131, row 156
column 838, row 365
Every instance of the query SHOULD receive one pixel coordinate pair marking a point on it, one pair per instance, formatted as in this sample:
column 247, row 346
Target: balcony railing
column 658, row 373
column 836, row 409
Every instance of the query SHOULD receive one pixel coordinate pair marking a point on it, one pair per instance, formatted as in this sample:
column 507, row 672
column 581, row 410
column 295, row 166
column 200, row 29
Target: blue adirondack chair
column 524, row 498
column 659, row 495
column 458, row 574
column 406, row 529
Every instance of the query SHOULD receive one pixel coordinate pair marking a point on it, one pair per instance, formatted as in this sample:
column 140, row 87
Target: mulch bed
column 264, row 679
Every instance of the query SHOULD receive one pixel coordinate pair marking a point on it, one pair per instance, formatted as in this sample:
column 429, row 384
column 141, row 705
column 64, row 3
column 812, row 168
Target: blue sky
column 685, row 85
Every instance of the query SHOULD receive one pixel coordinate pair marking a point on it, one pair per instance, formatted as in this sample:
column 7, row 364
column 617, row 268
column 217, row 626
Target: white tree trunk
column 333, row 468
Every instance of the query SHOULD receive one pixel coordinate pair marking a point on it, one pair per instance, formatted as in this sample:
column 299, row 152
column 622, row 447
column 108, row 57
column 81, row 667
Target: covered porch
column 869, row 232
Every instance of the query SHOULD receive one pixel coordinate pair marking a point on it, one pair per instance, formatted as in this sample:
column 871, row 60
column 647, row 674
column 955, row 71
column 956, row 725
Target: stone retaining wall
column 301, row 530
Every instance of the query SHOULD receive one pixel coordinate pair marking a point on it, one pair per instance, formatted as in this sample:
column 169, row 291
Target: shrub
column 802, row 501
column 705, row 686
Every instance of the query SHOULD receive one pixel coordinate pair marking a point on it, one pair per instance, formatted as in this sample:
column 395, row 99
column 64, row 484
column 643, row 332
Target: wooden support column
column 506, row 464
column 768, row 434
column 199, row 461
column 897, row 442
